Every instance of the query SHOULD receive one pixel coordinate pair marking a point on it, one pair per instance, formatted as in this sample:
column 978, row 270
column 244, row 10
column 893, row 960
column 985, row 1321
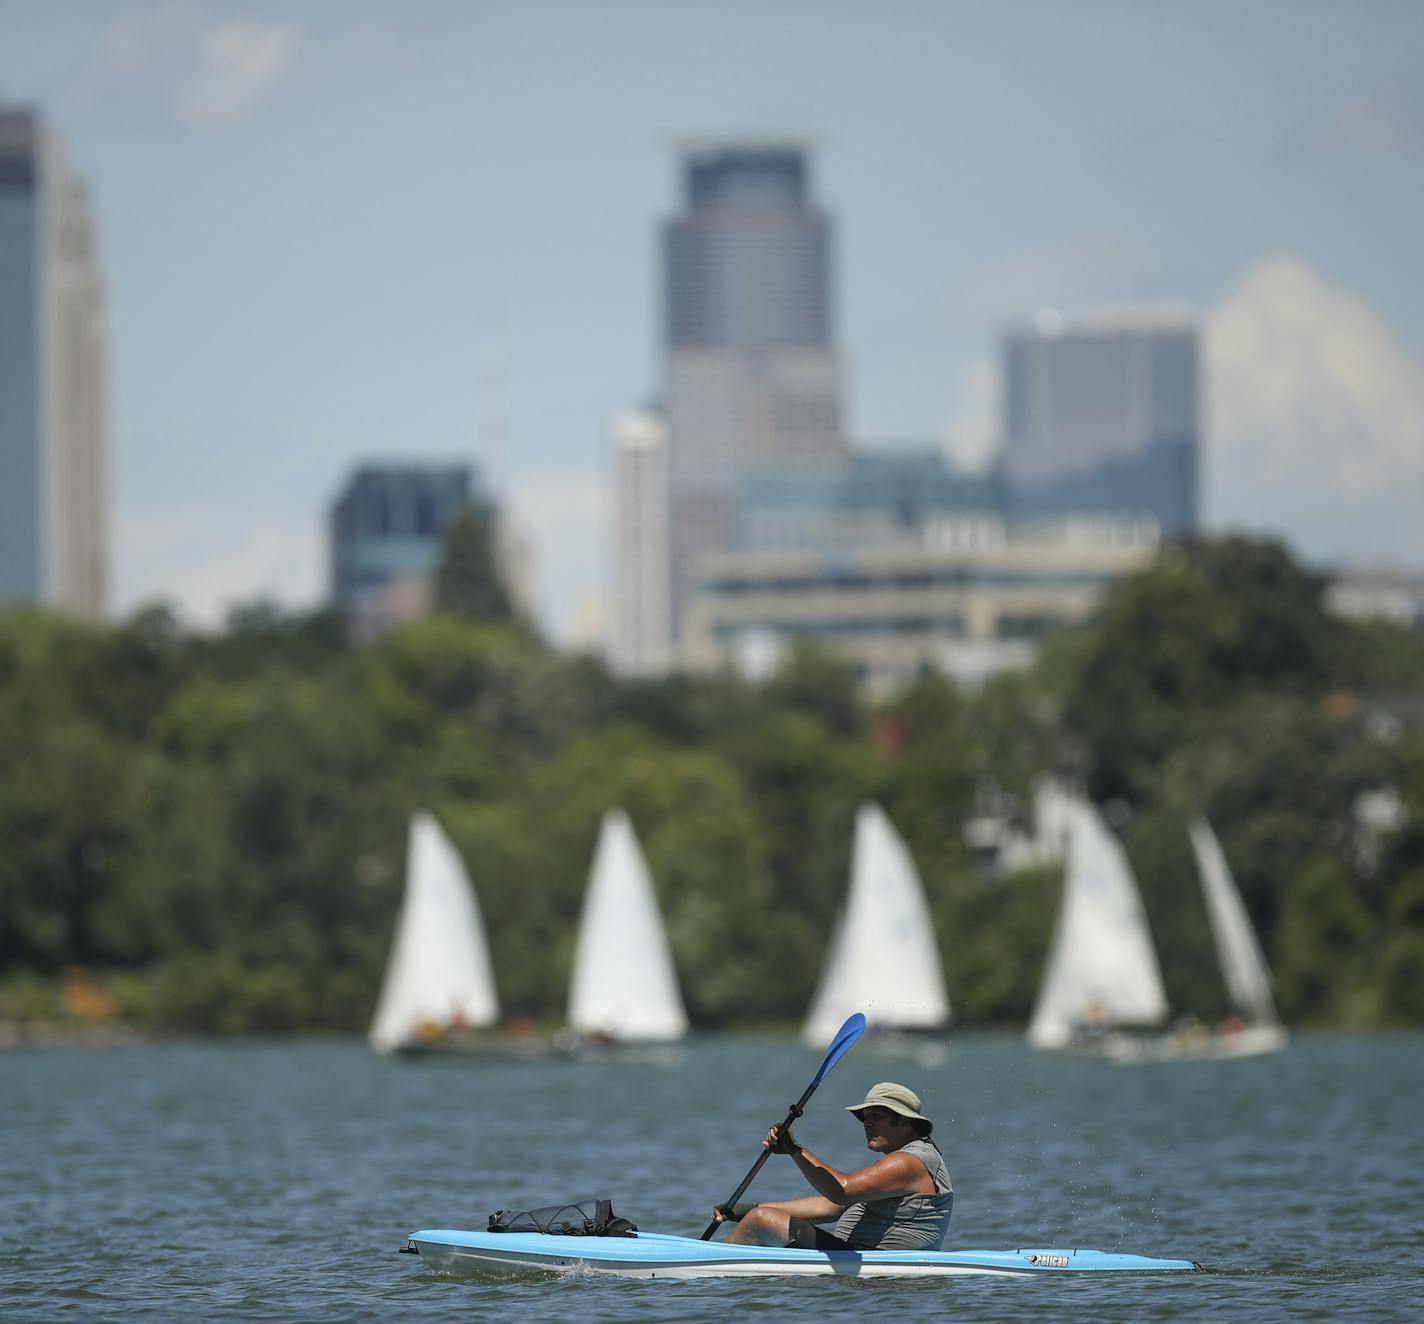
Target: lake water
column 263, row 1181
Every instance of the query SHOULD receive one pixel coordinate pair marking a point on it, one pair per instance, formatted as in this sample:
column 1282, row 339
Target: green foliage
column 1158, row 849
column 1325, row 937
column 820, row 685
column 995, row 936
column 1207, row 626
column 467, row 581
column 215, row 826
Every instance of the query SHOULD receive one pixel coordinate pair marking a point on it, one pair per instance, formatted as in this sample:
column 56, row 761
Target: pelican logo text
column 1049, row 1261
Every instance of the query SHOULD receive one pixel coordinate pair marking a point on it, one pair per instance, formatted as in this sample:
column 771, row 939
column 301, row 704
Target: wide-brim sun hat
column 897, row 1098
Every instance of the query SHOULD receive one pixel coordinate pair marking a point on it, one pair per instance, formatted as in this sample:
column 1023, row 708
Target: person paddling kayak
column 902, row 1201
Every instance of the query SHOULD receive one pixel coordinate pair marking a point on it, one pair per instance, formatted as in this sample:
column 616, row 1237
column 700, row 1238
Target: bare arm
column 813, row 1208
column 895, row 1174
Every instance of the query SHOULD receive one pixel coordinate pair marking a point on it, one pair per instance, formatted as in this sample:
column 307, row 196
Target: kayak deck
column 656, row 1255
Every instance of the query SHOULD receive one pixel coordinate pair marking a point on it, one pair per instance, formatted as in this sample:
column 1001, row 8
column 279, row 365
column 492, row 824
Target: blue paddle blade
column 853, row 1028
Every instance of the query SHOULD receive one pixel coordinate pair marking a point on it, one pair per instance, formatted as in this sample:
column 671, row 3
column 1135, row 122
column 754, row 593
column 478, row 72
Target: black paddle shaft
column 797, row 1109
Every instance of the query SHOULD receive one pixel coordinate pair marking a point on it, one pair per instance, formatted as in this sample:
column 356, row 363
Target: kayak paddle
column 840, row 1045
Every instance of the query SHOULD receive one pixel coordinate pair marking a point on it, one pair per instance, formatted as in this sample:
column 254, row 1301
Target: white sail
column 623, row 982
column 883, row 959
column 1242, row 965
column 1102, row 965
column 439, row 972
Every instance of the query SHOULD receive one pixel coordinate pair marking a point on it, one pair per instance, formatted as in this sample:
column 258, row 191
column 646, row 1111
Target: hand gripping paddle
column 840, row 1045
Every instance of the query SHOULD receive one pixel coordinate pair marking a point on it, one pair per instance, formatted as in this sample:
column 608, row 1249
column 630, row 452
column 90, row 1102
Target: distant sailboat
column 1102, row 969
column 1242, row 965
column 624, row 987
column 1103, row 976
column 438, row 978
column 883, row 959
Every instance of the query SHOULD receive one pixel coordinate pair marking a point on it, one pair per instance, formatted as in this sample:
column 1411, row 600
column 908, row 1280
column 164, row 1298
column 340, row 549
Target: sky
column 335, row 231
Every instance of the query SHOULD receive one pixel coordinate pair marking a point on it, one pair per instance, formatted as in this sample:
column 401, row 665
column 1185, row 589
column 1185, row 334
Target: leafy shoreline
column 213, row 828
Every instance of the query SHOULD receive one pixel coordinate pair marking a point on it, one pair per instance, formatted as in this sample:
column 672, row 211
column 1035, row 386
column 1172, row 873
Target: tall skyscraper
column 1101, row 418
column 641, row 639
column 752, row 377
column 54, row 507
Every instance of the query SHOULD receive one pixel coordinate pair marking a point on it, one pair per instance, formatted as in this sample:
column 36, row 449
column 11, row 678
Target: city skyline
column 338, row 232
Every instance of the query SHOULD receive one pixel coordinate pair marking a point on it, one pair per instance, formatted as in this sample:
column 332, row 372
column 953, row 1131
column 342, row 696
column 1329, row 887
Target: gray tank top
column 902, row 1222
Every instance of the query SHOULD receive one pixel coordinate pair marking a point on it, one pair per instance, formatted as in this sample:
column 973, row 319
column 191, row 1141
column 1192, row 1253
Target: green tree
column 1207, row 624
column 1324, row 973
column 467, row 579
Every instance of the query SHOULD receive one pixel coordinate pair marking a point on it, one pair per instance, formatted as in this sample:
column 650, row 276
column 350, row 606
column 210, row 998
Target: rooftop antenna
column 493, row 415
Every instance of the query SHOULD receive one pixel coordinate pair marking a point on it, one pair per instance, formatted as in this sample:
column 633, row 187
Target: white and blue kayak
column 655, row 1255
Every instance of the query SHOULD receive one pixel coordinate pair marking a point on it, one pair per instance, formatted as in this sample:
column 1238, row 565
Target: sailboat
column 1102, row 968
column 1103, row 979
column 883, row 959
column 438, row 996
column 438, row 978
column 1256, row 1028
column 623, row 989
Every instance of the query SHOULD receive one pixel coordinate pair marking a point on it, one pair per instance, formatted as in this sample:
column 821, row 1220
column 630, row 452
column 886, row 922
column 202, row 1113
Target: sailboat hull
column 924, row 1048
column 652, row 1255
column 1132, row 1050
column 486, row 1046
column 1252, row 1041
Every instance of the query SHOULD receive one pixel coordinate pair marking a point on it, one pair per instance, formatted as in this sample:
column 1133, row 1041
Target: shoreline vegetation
column 205, row 834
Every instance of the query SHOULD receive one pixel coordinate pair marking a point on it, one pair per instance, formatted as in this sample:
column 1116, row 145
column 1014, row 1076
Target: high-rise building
column 387, row 530
column 54, row 505
column 641, row 640
column 752, row 377
column 1101, row 419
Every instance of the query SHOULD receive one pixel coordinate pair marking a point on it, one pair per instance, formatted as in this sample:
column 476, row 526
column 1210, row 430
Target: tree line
column 211, row 828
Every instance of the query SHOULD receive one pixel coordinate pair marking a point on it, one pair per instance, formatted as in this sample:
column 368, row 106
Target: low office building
column 971, row 598
column 872, row 497
column 387, row 532
column 1388, row 593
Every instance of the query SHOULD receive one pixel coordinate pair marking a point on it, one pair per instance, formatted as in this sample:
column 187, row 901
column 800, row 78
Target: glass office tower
column 1103, row 419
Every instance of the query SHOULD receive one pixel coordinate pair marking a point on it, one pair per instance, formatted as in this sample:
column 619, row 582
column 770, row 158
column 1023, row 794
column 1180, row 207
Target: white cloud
column 1315, row 419
column 203, row 65
column 236, row 67
column 207, row 65
column 565, row 515
column 205, row 562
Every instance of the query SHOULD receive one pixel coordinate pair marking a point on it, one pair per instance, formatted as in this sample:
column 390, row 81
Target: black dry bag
column 587, row 1218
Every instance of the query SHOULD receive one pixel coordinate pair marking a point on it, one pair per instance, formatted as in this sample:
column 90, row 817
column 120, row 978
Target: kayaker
column 902, row 1201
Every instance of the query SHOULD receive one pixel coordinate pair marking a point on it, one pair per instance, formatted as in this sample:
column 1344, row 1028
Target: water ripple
column 260, row 1181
